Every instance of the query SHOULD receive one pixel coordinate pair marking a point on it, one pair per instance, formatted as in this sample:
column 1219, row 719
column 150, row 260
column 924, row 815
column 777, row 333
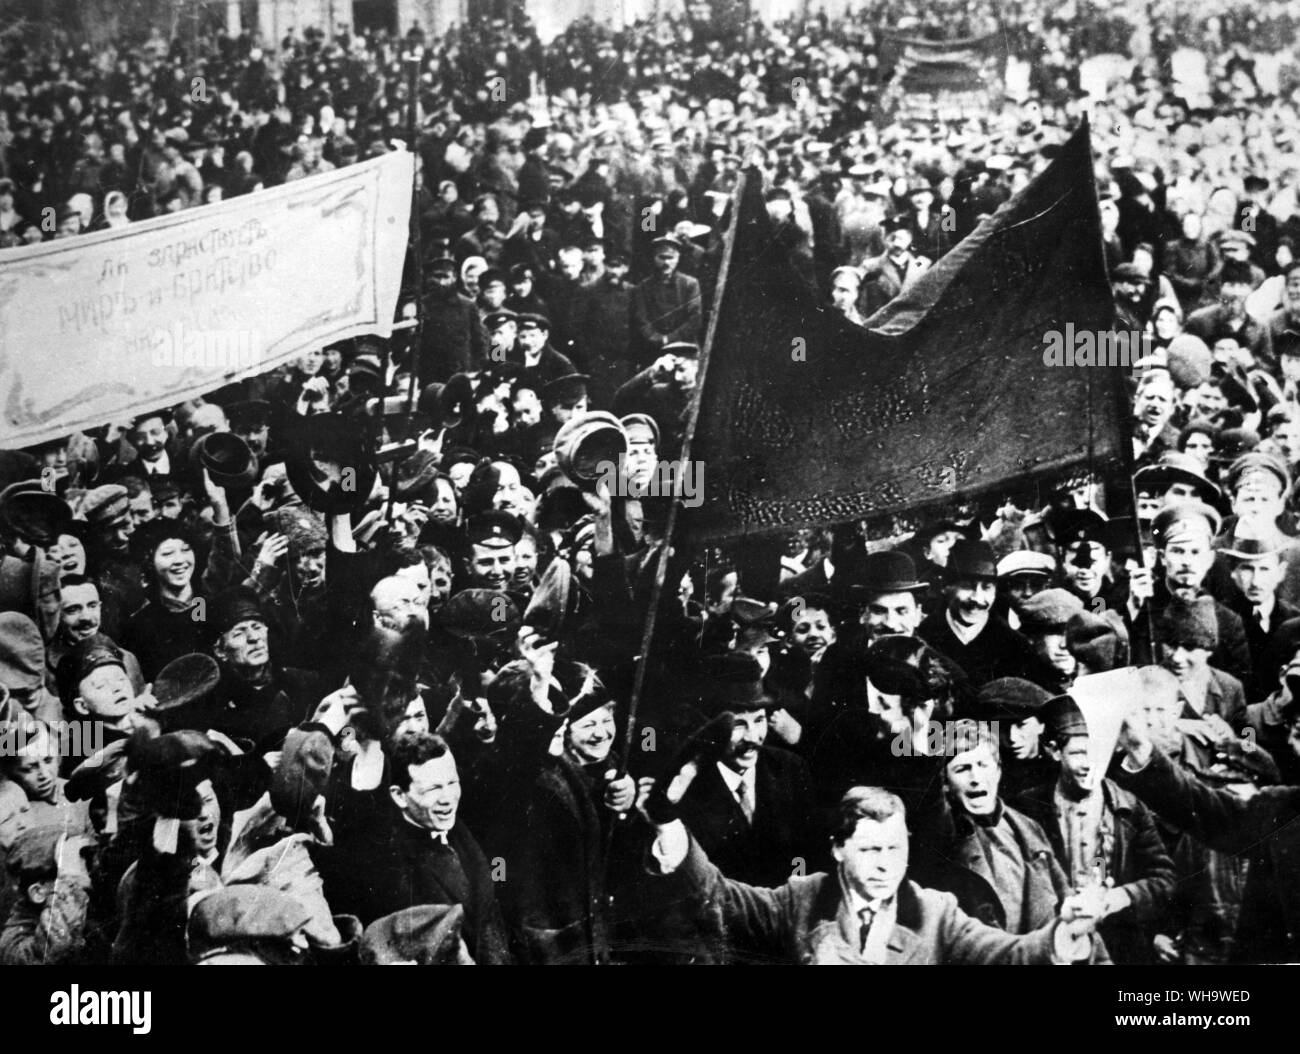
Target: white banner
column 101, row 327
column 1104, row 699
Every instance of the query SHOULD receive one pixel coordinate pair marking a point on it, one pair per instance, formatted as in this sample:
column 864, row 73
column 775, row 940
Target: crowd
column 349, row 647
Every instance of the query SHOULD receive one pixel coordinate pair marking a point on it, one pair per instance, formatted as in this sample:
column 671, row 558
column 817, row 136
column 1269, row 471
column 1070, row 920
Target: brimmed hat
column 335, row 439
column 1176, row 467
column 1026, row 562
column 427, row 935
column 587, row 443
column 30, row 512
column 735, row 683
column 890, row 571
column 228, row 459
column 1064, row 719
column 972, row 559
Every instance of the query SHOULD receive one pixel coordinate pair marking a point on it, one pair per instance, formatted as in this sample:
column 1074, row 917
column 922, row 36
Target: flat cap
column 1049, row 611
column 1013, row 698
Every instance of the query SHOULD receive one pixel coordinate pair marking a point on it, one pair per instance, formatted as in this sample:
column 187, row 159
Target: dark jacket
column 998, row 650
column 407, row 867
column 451, row 337
column 558, row 890
column 1137, row 860
column 766, row 852
column 1264, row 827
column 662, row 312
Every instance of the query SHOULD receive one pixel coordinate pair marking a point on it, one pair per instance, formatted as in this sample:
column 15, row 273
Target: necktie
column 868, row 916
column 746, row 798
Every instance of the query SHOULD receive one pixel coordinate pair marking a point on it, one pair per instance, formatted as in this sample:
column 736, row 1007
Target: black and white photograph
column 644, row 483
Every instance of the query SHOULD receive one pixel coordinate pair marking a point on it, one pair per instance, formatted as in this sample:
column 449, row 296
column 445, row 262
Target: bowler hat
column 228, row 459
column 972, row 559
column 329, row 439
column 735, row 683
column 890, row 571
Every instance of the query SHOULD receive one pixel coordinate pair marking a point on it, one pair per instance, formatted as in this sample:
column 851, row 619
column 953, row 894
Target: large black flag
column 808, row 419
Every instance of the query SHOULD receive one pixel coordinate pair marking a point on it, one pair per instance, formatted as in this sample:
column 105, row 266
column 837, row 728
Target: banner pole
column 692, row 419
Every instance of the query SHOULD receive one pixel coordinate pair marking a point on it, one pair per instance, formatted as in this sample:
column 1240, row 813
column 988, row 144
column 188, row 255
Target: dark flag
column 952, row 388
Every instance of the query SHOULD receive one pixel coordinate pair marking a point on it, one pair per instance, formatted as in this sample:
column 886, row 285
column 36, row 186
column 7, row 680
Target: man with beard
column 665, row 308
column 1153, row 411
column 398, row 602
column 1184, row 535
column 1102, row 834
column 489, row 560
column 452, row 338
column 752, row 809
column 79, row 620
column 966, row 630
column 256, row 700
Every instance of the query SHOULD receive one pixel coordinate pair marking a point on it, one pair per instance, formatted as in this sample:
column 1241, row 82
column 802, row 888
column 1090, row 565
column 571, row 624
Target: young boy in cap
column 1102, row 833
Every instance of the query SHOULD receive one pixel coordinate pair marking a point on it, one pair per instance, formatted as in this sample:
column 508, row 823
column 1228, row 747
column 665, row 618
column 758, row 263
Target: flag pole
column 692, row 419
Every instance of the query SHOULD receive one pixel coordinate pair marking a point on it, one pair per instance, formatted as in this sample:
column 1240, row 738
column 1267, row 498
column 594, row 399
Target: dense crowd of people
column 336, row 663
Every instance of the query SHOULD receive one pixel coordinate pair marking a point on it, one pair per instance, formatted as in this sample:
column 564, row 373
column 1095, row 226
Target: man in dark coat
column 751, row 810
column 452, row 337
column 966, row 630
column 538, row 361
column 666, row 307
column 422, row 855
column 1102, row 833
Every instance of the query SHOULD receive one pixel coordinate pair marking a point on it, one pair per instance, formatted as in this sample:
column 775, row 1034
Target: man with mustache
column 751, row 808
column 152, row 442
column 966, row 630
column 1184, row 536
column 80, row 620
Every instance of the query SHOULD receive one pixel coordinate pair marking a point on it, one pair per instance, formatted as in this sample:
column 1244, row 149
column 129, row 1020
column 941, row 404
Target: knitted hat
column 1190, row 624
